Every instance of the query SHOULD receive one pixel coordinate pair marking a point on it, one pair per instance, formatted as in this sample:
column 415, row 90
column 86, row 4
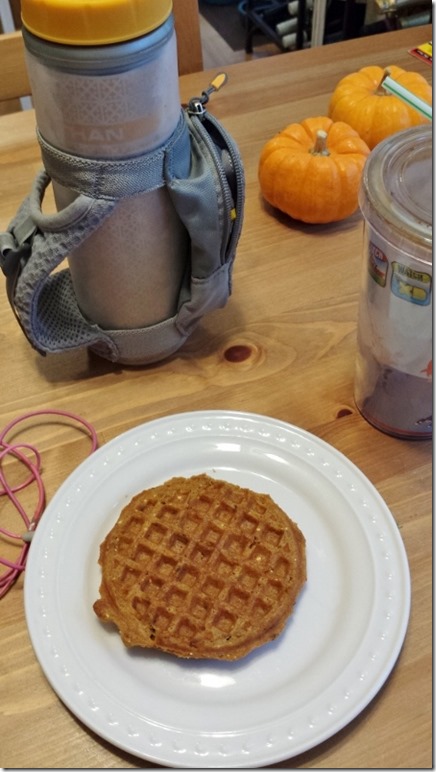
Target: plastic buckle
column 16, row 247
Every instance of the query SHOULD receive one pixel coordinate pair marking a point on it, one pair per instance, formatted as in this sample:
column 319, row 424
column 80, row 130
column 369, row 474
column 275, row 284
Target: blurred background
column 237, row 30
column 242, row 29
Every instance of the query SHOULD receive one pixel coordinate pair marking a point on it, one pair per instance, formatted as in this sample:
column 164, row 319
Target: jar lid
column 93, row 22
column 397, row 184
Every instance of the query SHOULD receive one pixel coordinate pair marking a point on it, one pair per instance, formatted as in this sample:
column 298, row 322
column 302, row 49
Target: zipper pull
column 196, row 105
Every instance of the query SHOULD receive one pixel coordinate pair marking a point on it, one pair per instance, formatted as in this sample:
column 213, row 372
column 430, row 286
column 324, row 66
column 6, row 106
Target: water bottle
column 104, row 83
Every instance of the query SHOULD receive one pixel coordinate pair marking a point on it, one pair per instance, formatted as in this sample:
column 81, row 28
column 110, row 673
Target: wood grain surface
column 293, row 314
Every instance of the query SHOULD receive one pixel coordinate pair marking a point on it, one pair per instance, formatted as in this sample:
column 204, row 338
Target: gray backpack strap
column 35, row 244
column 114, row 179
column 201, row 167
column 33, row 247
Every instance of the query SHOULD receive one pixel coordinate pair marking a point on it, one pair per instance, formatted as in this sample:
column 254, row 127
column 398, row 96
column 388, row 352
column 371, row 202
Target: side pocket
column 209, row 200
column 229, row 163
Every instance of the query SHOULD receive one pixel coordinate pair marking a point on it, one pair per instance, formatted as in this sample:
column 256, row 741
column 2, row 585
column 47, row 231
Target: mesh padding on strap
column 208, row 199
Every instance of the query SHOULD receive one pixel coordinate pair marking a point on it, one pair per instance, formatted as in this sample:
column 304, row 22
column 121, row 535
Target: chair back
column 14, row 81
column 187, row 24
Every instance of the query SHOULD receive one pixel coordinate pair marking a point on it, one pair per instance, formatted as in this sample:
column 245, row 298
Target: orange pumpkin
column 312, row 170
column 360, row 100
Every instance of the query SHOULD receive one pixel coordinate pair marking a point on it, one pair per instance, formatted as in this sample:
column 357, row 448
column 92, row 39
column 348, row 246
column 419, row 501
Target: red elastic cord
column 30, row 458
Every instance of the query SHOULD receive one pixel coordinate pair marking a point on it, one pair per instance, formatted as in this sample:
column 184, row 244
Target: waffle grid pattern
column 199, row 567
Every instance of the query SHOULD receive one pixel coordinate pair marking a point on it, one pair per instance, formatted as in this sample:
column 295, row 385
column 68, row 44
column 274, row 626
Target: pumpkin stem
column 380, row 91
column 320, row 147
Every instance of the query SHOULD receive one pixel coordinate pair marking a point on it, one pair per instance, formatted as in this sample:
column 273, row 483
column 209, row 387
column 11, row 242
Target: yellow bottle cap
column 93, row 22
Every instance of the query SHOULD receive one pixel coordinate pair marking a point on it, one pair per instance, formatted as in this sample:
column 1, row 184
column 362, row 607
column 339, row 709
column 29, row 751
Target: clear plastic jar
column 393, row 382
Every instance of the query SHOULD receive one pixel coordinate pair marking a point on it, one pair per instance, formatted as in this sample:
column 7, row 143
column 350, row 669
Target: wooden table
column 293, row 313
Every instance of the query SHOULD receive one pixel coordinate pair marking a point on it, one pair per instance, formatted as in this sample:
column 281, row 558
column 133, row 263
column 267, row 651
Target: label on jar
column 378, row 264
column 411, row 285
column 393, row 386
column 397, row 306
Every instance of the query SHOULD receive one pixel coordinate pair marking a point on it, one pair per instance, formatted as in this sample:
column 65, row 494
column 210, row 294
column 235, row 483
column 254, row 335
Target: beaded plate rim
column 256, row 451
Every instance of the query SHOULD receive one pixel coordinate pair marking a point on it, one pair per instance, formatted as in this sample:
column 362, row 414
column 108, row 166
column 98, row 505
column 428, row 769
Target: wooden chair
column 14, row 82
column 187, row 24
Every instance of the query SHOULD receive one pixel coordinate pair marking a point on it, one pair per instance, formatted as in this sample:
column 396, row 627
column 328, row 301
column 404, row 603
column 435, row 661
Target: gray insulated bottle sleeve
column 201, row 167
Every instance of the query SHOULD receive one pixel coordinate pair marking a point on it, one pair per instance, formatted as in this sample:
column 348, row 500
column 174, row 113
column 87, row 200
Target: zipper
column 196, row 105
column 230, row 170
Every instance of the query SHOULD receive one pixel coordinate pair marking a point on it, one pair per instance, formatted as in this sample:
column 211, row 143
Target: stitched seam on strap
column 111, row 179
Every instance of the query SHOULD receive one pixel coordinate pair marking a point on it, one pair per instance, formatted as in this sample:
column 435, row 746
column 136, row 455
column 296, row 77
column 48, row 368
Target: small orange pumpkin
column 312, row 170
column 360, row 100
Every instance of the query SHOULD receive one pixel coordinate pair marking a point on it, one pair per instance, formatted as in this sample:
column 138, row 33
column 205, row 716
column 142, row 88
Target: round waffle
column 201, row 568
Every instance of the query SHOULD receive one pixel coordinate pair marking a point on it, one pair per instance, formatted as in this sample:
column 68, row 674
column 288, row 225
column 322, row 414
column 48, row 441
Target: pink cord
column 32, row 462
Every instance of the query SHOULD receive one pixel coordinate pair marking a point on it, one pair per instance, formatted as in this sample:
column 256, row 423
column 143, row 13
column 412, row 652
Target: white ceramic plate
column 287, row 696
